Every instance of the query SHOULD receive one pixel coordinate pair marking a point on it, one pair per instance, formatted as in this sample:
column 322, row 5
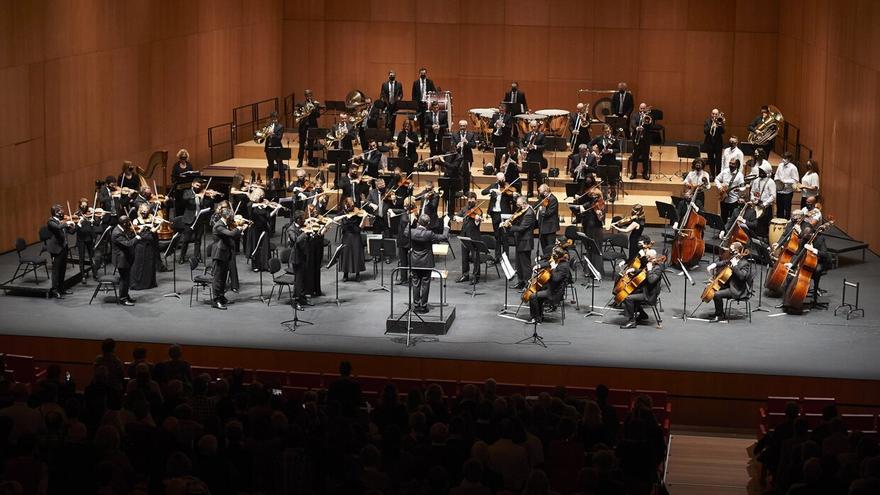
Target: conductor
column 422, row 238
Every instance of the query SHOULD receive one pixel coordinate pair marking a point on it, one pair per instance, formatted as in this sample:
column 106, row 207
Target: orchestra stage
column 817, row 344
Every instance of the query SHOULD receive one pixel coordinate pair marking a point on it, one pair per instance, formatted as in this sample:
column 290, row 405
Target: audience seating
column 23, row 367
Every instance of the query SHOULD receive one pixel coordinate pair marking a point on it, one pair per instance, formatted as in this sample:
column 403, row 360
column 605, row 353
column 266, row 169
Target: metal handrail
column 226, row 130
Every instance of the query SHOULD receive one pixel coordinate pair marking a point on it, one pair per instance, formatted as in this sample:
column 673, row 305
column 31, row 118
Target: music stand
column 253, row 253
column 686, row 151
column 335, row 106
column 334, row 261
column 474, row 248
column 532, row 170
column 509, row 274
column 172, row 247
column 759, row 253
column 667, row 211
column 594, row 274
column 382, row 247
column 687, row 278
column 748, row 149
column 378, row 135
column 295, row 321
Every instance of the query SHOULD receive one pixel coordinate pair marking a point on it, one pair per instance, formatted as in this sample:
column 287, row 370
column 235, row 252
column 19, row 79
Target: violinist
column 298, row 240
column 124, row 240
column 634, row 225
column 408, row 219
column 59, row 226
column 226, row 233
column 353, row 256
column 547, row 216
column 107, row 201
column 729, row 183
column 298, row 187
column 522, row 225
column 648, row 291
column 180, row 172
column 316, row 197
column 129, row 178
column 509, row 164
column 470, row 217
column 500, row 203
column 697, row 179
column 737, row 285
column 145, row 257
column 430, row 205
column 192, row 221
column 379, row 201
column 403, row 186
column 316, row 226
column 589, row 209
column 263, row 215
column 763, row 196
column 353, row 185
column 408, row 142
column 85, row 237
column 554, row 291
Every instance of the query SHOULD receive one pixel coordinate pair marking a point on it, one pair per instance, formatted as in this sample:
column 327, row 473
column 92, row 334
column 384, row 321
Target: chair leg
column 191, row 290
column 562, row 309
column 749, row 309
column 657, row 314
column 94, row 294
column 115, row 293
column 34, row 269
column 271, row 293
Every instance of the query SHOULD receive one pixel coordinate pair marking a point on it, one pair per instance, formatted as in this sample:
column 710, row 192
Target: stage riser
column 432, row 324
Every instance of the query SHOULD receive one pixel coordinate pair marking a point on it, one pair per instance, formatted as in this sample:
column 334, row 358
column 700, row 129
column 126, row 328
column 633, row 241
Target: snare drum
column 777, row 227
column 524, row 119
column 557, row 121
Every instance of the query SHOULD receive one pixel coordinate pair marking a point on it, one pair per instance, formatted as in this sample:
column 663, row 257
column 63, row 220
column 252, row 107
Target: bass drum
column 480, row 119
column 602, row 109
column 442, row 99
column 557, row 121
column 524, row 119
column 777, row 227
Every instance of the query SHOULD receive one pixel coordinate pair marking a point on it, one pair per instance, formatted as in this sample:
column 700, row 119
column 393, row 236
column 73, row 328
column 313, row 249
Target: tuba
column 767, row 129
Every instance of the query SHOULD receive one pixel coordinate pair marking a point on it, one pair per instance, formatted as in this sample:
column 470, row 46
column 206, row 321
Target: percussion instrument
column 557, row 121
column 481, row 119
column 777, row 227
column 524, row 119
column 443, row 98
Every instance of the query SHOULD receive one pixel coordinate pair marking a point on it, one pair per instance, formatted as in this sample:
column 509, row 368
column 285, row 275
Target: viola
column 688, row 246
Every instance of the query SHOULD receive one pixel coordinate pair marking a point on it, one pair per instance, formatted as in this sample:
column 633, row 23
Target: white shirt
column 735, row 154
column 787, row 174
column 755, row 167
column 814, row 213
column 735, row 181
column 764, row 192
column 810, row 179
column 695, row 178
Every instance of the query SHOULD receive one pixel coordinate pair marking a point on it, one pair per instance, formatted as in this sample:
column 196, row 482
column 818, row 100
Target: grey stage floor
column 815, row 344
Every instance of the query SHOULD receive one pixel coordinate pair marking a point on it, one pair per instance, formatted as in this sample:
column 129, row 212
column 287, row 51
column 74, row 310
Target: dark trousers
column 536, row 303
column 727, row 210
column 640, row 155
column 713, row 158
column 403, row 260
column 420, row 118
column 221, row 272
column 303, row 144
column 803, row 201
column 469, row 257
column 451, row 193
column 632, row 305
column 85, row 248
column 466, row 176
column 124, row 282
column 546, row 242
column 390, row 117
column 524, row 265
column 763, row 223
column 500, row 235
column 720, row 296
column 59, row 268
column 421, row 287
column 435, row 143
column 299, row 282
column 274, row 162
column 191, row 236
column 233, row 275
column 783, row 203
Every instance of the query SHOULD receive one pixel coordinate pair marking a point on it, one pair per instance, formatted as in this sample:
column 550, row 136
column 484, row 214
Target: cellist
column 737, row 285
column 817, row 247
column 648, row 291
column 554, row 291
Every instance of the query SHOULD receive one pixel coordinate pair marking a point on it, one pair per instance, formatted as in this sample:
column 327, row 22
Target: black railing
column 789, row 139
column 289, row 105
column 220, row 142
column 247, row 119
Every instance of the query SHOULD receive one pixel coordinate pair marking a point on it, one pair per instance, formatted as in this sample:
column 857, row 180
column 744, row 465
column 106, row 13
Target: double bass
column 779, row 272
column 796, row 292
column 688, row 246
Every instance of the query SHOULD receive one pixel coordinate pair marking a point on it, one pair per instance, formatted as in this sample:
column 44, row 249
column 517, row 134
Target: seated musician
column 372, row 160
column 738, row 283
column 793, row 225
column 608, row 146
column 554, row 291
column 811, row 209
column 648, row 291
column 746, row 219
column 583, row 162
column 818, row 247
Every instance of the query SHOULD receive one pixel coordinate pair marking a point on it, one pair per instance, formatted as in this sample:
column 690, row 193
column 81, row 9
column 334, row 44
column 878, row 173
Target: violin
column 507, row 223
column 508, row 189
column 623, row 222
column 118, row 192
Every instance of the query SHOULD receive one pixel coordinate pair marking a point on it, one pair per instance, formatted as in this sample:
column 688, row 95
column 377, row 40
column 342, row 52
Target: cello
column 736, row 234
column 630, row 282
column 796, row 292
column 722, row 276
column 777, row 275
column 689, row 246
column 543, row 276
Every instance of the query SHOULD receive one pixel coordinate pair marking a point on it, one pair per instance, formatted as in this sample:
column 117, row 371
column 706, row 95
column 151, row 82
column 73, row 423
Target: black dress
column 634, row 236
column 260, row 215
column 146, row 257
column 314, row 258
column 353, row 256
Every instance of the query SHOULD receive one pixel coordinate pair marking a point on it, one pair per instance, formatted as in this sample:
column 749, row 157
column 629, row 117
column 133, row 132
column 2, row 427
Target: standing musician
column 470, row 218
column 516, row 99
column 59, row 226
column 353, row 257
column 298, row 241
column 622, row 103
column 109, row 203
column 509, row 165
column 379, row 202
column 713, row 132
column 263, row 215
column 502, row 127
column 453, row 166
column 554, row 291
column 548, row 217
column 344, row 132
column 353, row 185
column 522, row 225
column 591, row 214
column 649, row 290
column 124, row 239
column 408, row 142
column 608, row 146
column 370, row 121
column 130, row 181
column 696, row 178
column 465, row 141
column 420, row 89
column 763, row 195
column 145, row 259
column 759, row 160
column 579, row 126
column 641, row 126
column 407, row 221
column 737, row 285
column 390, row 93
column 422, row 239
column 634, row 225
column 272, row 148
column 191, row 220
column 316, row 227
column 810, row 182
column 732, row 152
column 430, row 199
column 180, row 175
column 226, row 235
column 500, row 203
column 787, row 175
column 309, row 121
column 533, row 146
column 371, row 160
column 85, row 237
column 234, row 282
column 729, row 183
column 437, row 123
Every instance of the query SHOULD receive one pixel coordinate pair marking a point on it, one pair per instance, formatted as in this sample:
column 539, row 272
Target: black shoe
column 646, row 177
column 345, row 278
column 629, row 324
column 181, row 261
column 219, row 305
column 55, row 294
column 125, row 302
column 463, row 278
column 357, row 278
column 420, row 310
column 520, row 286
column 716, row 318
column 632, row 176
column 66, row 292
column 642, row 316
column 234, row 289
column 131, row 300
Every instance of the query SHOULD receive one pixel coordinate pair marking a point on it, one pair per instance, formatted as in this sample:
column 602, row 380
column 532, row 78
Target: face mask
column 423, row 76
column 390, row 78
